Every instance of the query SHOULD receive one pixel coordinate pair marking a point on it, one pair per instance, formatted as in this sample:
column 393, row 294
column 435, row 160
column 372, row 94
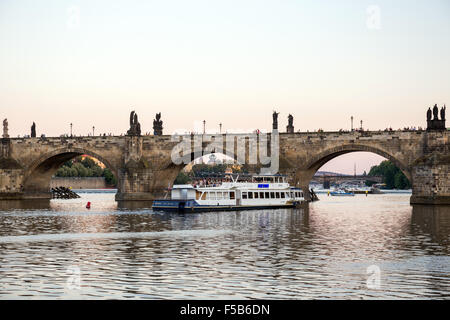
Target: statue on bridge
column 435, row 112
column 436, row 123
column 135, row 126
column 429, row 114
column 275, row 120
column 157, row 125
column 5, row 128
column 290, row 126
column 33, row 130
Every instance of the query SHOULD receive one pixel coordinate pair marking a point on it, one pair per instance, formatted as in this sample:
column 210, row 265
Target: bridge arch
column 38, row 174
column 317, row 161
column 172, row 170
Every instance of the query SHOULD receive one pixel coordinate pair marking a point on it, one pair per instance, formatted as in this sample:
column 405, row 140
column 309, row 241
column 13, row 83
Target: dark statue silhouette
column 157, row 125
column 435, row 112
column 290, row 126
column 33, row 130
column 135, row 126
column 436, row 124
column 275, row 120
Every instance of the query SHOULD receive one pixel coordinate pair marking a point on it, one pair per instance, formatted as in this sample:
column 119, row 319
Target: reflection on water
column 134, row 205
column 24, row 204
column 318, row 252
column 433, row 221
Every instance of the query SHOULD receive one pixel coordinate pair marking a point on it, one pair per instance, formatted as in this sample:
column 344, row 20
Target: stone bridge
column 144, row 168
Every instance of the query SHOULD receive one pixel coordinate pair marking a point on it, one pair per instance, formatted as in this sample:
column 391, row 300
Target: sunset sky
column 232, row 62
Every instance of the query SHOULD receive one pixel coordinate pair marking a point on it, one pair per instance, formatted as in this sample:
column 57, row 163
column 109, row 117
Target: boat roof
column 182, row 186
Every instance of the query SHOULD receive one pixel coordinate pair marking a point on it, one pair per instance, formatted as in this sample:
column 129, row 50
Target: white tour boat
column 263, row 191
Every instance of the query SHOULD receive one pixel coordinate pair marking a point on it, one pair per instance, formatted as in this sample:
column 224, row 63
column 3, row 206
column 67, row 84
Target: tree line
column 86, row 167
column 393, row 177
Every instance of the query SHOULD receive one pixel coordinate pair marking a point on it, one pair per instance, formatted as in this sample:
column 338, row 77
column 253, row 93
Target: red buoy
column 88, row 205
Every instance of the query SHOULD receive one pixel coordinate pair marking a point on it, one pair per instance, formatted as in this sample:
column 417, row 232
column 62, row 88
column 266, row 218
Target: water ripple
column 319, row 253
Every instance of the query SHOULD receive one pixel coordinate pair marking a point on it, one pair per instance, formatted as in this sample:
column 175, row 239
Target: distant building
column 213, row 160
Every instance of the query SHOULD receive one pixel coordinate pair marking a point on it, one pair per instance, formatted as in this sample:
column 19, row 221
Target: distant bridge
column 327, row 179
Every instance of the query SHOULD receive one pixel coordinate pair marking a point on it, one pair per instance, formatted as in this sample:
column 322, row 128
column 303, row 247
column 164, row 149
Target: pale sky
column 229, row 62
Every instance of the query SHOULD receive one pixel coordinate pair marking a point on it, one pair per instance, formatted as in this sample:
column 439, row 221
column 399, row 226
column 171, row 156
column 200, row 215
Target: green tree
column 86, row 167
column 110, row 179
column 89, row 163
column 182, row 178
column 393, row 177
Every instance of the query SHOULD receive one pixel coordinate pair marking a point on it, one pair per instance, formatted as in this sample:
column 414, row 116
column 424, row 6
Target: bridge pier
column 140, row 178
column 301, row 179
column 431, row 180
column 144, row 184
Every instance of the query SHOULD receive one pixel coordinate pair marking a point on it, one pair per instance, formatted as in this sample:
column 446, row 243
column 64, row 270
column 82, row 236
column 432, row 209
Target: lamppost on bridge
column 93, row 130
column 220, row 127
column 351, row 119
column 361, row 125
column 71, row 129
column 204, row 126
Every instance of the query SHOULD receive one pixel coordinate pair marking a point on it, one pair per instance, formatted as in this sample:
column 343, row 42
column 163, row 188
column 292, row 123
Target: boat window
column 261, row 195
column 232, row 195
column 301, row 194
column 267, row 196
column 256, row 195
column 272, row 195
column 282, row 195
column 244, row 195
column 212, row 195
column 277, row 195
column 204, row 196
column 197, row 195
column 219, row 196
column 250, row 195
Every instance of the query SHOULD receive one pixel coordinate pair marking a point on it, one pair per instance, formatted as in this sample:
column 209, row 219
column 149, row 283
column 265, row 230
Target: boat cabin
column 183, row 192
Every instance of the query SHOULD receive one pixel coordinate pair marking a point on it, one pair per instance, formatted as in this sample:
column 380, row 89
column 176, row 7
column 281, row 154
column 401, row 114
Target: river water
column 339, row 248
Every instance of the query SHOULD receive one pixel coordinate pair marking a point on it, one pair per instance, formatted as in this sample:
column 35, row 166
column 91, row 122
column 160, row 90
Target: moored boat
column 341, row 193
column 363, row 190
column 262, row 192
